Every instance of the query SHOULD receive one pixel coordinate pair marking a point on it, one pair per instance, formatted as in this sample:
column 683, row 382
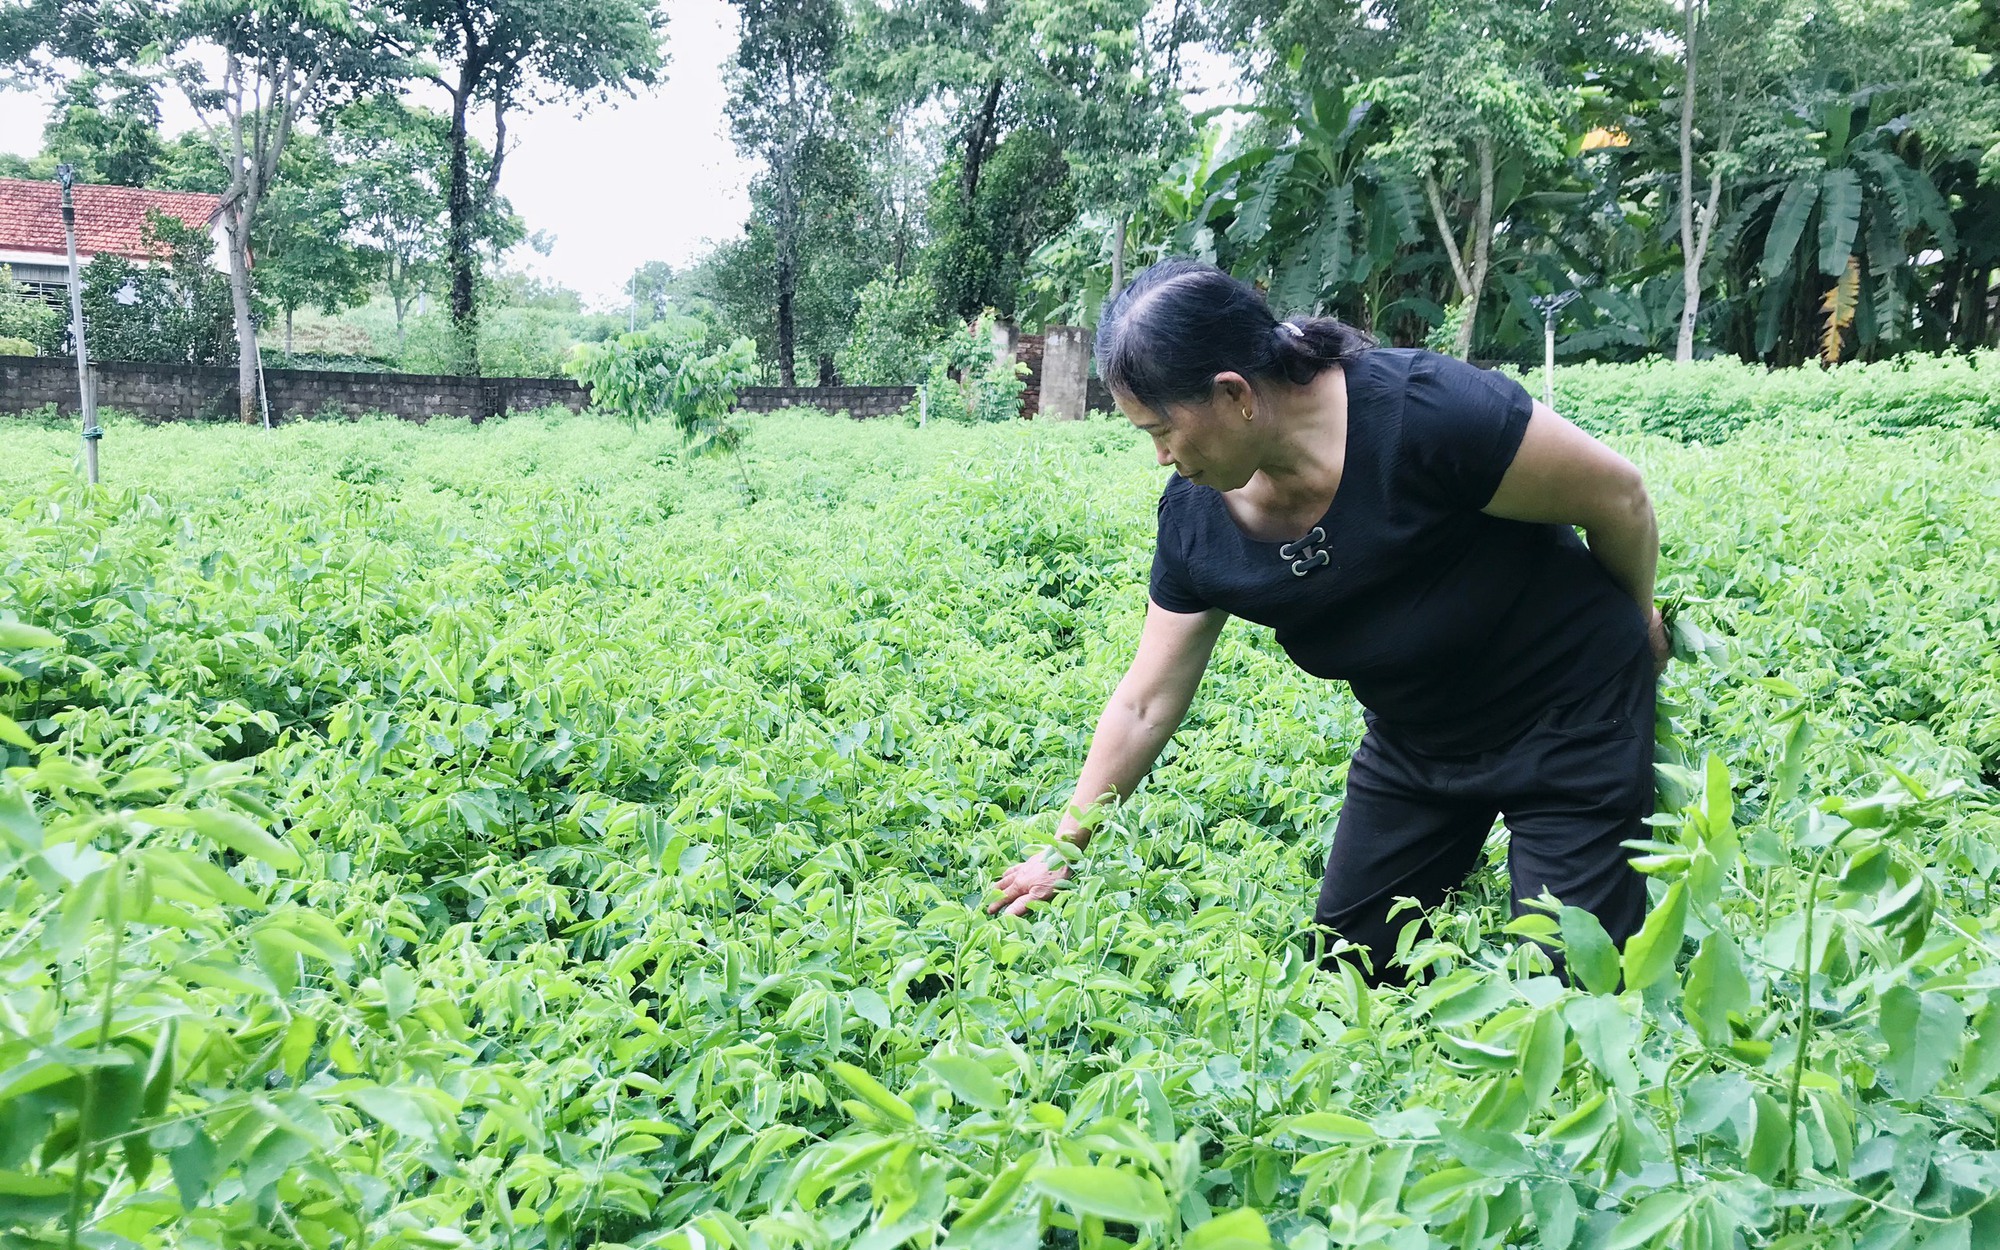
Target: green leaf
column 1328, row 1126
column 869, row 1005
column 1652, row 1216
column 1241, row 1229
column 13, row 734
column 18, row 823
column 1792, row 766
column 992, row 1204
column 1839, row 219
column 1542, row 1057
column 874, row 1093
column 1651, row 952
column 968, row 1080
column 239, row 835
column 1588, row 951
column 1787, row 224
column 1716, row 986
column 1925, row 1033
column 1767, row 1138
column 392, row 1107
column 1105, row 1192
column 21, row 636
column 1555, row 1208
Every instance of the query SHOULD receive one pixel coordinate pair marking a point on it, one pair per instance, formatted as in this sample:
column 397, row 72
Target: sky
column 649, row 177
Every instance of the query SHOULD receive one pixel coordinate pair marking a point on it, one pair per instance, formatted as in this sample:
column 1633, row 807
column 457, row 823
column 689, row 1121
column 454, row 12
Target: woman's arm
column 1140, row 716
column 1564, row 476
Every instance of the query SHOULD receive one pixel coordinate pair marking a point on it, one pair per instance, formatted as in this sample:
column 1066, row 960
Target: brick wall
column 855, row 401
column 161, row 392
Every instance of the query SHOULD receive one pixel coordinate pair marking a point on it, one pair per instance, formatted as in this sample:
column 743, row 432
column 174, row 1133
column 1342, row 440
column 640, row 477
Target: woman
column 1403, row 521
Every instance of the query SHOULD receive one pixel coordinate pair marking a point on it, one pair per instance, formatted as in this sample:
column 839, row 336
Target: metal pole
column 263, row 399
column 1549, row 305
column 66, row 175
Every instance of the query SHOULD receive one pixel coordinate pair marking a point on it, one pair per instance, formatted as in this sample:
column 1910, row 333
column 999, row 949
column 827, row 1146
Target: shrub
column 26, row 317
column 17, row 347
column 894, row 336
column 1710, row 400
column 664, row 369
column 965, row 382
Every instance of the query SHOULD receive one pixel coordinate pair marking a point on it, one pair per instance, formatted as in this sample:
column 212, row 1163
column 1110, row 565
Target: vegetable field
column 510, row 837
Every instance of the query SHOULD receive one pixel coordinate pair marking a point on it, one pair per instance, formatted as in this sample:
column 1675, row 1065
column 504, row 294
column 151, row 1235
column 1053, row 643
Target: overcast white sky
column 648, row 178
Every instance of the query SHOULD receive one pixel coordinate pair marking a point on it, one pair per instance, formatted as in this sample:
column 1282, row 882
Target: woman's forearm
column 1627, row 544
column 1122, row 750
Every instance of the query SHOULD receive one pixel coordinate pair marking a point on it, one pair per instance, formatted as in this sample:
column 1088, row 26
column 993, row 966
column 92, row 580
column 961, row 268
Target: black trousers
column 1571, row 788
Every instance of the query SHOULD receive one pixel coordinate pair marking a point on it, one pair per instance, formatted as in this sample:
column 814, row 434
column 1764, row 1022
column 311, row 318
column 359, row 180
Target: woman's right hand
column 1030, row 881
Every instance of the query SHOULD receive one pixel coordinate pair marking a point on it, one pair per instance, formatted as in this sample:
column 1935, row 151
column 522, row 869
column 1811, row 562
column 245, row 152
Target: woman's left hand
column 1656, row 637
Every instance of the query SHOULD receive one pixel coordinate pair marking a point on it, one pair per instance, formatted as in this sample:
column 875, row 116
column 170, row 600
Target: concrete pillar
column 1065, row 372
column 1003, row 334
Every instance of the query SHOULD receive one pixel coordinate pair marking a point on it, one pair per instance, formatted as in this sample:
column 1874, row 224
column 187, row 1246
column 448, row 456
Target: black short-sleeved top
column 1454, row 628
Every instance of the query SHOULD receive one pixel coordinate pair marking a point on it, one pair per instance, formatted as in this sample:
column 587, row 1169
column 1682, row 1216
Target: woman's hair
column 1163, row 338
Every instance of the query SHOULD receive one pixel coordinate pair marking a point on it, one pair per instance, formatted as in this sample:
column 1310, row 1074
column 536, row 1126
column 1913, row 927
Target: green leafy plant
column 469, row 836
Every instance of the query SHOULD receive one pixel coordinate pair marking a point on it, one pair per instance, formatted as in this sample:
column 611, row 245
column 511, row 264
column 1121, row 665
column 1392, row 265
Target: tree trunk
column 826, row 375
column 977, row 140
column 1482, row 248
column 787, row 282
column 1117, row 259
column 236, row 235
column 288, row 333
column 1690, row 255
column 458, row 247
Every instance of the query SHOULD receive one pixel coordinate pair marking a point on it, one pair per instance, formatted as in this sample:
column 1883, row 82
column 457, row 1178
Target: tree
column 395, row 161
column 176, row 309
column 280, row 60
column 1121, row 123
column 650, row 288
column 1475, row 112
column 107, row 124
column 781, row 110
column 1733, row 53
column 304, row 249
column 500, row 55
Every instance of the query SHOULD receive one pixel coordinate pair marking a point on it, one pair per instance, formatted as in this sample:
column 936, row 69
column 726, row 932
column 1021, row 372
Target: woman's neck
column 1307, row 442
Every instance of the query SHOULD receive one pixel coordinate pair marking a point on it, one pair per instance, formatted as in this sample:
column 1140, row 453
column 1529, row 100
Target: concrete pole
column 66, row 175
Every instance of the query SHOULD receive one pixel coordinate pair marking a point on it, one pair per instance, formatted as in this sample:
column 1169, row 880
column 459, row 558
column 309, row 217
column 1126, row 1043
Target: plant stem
column 1805, row 1035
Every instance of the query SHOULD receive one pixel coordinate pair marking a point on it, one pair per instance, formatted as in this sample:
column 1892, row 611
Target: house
column 108, row 219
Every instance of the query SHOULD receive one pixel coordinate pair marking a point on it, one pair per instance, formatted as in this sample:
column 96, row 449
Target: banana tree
column 1837, row 239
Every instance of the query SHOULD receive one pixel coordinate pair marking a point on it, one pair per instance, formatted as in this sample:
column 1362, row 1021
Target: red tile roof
column 108, row 219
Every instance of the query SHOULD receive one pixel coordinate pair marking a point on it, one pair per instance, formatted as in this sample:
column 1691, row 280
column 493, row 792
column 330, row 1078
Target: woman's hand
column 1663, row 646
column 1030, row 881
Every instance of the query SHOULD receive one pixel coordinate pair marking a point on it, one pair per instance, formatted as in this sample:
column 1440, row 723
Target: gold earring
column 1246, row 414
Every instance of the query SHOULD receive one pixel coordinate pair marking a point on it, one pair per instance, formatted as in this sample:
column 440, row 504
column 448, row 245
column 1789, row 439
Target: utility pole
column 66, row 175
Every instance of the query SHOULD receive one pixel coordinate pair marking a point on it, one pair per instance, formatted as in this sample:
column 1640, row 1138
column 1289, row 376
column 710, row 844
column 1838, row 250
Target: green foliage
column 469, row 835
column 107, row 125
column 26, row 316
column 1709, row 401
column 894, row 335
column 176, row 309
column 666, row 370
column 18, row 347
column 964, row 382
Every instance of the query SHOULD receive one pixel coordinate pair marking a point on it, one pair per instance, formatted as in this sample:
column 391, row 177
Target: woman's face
column 1212, row 443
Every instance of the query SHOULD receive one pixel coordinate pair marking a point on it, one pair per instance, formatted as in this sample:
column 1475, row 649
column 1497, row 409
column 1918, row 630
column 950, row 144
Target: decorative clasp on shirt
column 1306, row 554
